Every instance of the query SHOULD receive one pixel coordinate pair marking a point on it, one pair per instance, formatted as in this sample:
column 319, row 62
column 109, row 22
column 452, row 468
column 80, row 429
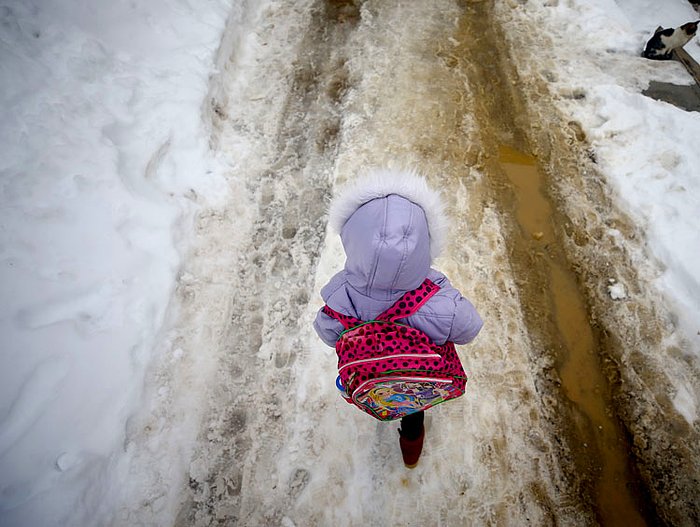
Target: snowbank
column 104, row 159
column 647, row 149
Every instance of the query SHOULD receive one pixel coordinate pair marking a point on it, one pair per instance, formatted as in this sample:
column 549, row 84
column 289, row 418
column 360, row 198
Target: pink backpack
column 390, row 370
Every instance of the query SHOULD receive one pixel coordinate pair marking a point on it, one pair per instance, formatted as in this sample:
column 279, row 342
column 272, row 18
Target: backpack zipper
column 372, row 322
column 400, row 355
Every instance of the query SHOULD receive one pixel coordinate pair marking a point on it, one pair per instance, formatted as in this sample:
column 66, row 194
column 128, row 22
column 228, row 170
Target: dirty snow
column 105, row 161
column 645, row 147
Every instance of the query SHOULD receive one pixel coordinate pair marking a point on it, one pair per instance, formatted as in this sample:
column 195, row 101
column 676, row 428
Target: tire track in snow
column 591, row 442
column 293, row 133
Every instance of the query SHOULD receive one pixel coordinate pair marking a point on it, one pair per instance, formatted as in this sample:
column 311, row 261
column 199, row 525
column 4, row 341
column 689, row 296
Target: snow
column 105, row 160
column 617, row 291
column 646, row 148
column 686, row 404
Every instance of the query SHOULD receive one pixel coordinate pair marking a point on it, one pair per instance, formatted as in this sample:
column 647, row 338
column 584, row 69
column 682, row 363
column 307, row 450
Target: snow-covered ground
column 133, row 154
column 647, row 149
column 104, row 159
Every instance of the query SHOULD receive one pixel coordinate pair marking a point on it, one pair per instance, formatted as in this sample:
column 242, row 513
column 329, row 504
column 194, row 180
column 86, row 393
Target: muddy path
column 645, row 363
column 565, row 346
column 286, row 124
column 561, row 425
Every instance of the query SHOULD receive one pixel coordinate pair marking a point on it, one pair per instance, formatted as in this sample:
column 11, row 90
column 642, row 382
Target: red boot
column 411, row 448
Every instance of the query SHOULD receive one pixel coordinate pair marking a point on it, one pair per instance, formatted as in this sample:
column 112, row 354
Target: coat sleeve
column 466, row 322
column 327, row 328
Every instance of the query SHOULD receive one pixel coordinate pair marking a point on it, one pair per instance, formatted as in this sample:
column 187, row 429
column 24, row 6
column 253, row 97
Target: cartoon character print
column 433, row 393
column 402, row 398
column 399, row 397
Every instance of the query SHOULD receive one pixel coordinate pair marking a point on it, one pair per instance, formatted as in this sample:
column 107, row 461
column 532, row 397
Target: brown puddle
column 582, row 380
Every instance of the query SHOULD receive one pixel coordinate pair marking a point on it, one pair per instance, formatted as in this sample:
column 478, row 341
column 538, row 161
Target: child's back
column 392, row 226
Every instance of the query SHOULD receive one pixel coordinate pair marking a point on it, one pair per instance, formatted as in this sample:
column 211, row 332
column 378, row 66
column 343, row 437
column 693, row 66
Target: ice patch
column 617, row 291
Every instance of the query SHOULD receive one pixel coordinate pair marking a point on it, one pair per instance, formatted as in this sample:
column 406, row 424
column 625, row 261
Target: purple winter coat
column 391, row 226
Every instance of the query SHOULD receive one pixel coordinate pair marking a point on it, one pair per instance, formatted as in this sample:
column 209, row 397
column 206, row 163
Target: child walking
column 392, row 225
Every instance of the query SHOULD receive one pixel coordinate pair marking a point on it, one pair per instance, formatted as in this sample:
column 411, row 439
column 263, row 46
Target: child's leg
column 411, row 437
column 412, row 425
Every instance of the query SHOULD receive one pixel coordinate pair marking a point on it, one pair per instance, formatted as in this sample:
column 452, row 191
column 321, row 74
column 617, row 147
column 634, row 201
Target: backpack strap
column 404, row 307
column 410, row 302
column 347, row 321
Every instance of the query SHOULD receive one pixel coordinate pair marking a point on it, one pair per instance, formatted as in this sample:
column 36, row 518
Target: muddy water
column 582, row 380
column 557, row 314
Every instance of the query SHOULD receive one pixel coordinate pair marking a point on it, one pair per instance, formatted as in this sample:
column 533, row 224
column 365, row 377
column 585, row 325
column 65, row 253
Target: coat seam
column 375, row 260
column 404, row 255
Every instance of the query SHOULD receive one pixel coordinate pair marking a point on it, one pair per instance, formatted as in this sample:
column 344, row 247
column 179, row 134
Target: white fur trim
column 383, row 182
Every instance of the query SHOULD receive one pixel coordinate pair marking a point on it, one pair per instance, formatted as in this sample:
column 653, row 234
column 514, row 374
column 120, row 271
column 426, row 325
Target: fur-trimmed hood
column 379, row 183
column 392, row 225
